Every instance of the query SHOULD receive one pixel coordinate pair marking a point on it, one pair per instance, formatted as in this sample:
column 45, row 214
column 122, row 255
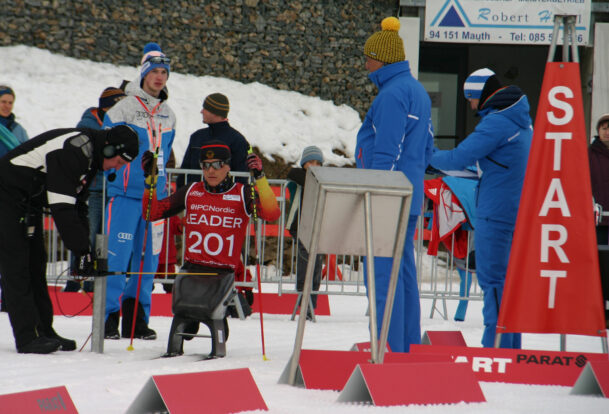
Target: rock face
column 313, row 47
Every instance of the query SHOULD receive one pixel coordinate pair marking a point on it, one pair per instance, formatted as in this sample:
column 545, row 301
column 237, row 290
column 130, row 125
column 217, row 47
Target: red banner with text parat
column 553, row 282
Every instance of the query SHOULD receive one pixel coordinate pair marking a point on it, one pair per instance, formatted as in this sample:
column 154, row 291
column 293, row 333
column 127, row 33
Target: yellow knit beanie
column 386, row 46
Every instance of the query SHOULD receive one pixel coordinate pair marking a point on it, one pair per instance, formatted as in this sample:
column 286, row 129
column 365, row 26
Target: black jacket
column 221, row 131
column 54, row 170
column 598, row 154
column 298, row 176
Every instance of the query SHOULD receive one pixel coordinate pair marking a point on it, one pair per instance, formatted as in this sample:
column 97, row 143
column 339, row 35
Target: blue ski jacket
column 397, row 134
column 154, row 122
column 91, row 119
column 500, row 145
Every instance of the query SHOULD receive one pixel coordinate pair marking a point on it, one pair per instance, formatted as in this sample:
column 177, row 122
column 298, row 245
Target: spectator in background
column 215, row 113
column 145, row 109
column 11, row 132
column 311, row 157
column 397, row 135
column 500, row 146
column 93, row 118
column 598, row 153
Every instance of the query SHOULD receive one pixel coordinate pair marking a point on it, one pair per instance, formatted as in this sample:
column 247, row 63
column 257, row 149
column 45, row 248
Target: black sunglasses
column 216, row 165
column 159, row 59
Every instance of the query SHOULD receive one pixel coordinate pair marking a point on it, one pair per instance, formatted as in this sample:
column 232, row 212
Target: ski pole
column 255, row 216
column 86, row 342
column 147, row 218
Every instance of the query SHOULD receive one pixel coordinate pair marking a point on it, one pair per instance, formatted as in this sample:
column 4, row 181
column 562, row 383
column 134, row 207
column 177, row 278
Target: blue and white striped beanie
column 474, row 84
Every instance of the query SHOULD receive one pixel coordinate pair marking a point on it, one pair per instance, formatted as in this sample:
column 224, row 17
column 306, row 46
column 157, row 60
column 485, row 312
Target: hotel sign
column 525, row 22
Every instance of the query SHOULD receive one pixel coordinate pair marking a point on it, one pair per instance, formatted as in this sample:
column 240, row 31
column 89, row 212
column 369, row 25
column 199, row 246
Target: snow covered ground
column 53, row 91
column 109, row 382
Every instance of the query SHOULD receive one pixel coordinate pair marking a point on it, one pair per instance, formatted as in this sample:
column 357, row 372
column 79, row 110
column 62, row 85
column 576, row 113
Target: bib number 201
column 211, row 240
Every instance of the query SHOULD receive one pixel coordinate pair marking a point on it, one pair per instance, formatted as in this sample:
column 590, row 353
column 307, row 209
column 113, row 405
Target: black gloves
column 254, row 163
column 150, row 168
column 149, row 163
column 86, row 265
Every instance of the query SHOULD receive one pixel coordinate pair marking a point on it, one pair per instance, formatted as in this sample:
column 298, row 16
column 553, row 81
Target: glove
column 598, row 214
column 149, row 163
column 86, row 265
column 150, row 169
column 254, row 163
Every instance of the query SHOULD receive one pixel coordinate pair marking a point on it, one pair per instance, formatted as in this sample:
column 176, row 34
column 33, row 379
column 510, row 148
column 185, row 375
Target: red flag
column 552, row 282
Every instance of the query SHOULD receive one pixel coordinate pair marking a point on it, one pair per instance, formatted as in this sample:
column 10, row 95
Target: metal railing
column 438, row 276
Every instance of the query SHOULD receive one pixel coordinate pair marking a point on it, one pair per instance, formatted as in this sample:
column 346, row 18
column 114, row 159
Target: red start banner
column 553, row 282
column 520, row 366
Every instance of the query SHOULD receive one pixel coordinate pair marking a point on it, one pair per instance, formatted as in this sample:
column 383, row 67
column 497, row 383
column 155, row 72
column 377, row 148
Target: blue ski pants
column 493, row 243
column 405, row 323
column 126, row 229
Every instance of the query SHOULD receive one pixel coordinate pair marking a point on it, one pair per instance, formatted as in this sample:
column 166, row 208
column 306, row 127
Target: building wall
column 313, row 47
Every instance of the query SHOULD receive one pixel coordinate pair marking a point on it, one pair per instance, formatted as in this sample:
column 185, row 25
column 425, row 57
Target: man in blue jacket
column 397, row 135
column 145, row 109
column 500, row 146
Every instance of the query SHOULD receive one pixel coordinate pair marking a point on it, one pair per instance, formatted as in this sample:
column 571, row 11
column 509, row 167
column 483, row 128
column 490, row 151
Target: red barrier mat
column 313, row 366
column 37, row 401
column 211, row 392
column 520, row 366
column 365, row 347
column 72, row 303
column 450, row 338
column 404, row 384
column 593, row 380
column 284, row 304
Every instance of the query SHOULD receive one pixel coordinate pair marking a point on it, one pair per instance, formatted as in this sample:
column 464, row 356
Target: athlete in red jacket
column 217, row 210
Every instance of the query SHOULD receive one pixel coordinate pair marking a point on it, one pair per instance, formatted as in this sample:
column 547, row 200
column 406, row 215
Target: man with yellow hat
column 397, row 135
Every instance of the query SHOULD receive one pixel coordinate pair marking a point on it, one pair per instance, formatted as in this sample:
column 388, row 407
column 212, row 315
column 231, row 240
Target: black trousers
column 602, row 239
column 23, row 269
column 301, row 271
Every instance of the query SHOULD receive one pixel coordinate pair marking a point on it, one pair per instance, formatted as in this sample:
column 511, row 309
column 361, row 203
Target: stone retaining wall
column 313, row 47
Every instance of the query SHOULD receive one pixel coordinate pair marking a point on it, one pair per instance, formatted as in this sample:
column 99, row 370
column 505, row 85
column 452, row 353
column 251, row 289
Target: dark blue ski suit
column 500, row 145
column 397, row 135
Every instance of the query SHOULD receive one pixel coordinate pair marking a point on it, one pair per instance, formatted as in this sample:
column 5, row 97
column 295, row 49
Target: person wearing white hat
column 500, row 147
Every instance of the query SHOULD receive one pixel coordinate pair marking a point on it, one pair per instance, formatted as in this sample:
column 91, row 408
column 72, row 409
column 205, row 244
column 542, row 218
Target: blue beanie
column 151, row 47
column 153, row 58
column 310, row 154
column 474, row 84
